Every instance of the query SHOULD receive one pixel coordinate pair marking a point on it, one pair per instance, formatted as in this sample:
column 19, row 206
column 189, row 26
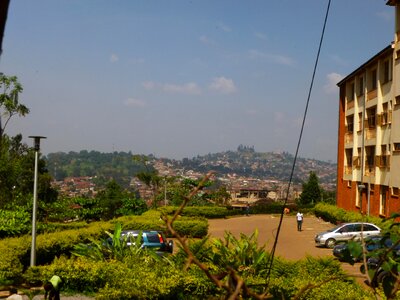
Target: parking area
column 292, row 244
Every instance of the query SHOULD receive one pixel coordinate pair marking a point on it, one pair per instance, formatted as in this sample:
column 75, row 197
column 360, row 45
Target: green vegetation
column 386, row 258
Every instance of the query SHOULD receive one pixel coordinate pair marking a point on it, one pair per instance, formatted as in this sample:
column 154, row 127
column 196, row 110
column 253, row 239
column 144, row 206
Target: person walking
column 299, row 218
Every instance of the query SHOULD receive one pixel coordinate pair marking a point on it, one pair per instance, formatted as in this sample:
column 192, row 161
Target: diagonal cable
column 271, row 258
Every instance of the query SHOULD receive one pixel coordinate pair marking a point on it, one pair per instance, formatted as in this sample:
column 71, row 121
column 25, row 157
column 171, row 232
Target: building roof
column 364, row 65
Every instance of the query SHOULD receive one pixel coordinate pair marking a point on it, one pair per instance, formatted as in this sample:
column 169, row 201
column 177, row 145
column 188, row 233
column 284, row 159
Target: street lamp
column 36, row 143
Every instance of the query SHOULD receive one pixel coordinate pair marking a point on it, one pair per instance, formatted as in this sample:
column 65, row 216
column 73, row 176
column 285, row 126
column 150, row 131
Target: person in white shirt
column 299, row 218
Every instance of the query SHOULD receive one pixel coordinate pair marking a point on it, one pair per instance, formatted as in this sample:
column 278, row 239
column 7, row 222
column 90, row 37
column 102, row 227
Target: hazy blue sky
column 182, row 78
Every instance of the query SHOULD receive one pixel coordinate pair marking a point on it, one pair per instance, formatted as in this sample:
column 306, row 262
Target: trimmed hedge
column 336, row 215
column 209, row 212
column 133, row 278
column 15, row 252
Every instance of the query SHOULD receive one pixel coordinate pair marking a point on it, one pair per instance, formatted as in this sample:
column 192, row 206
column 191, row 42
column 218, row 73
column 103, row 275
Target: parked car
column 345, row 232
column 374, row 242
column 151, row 239
column 375, row 263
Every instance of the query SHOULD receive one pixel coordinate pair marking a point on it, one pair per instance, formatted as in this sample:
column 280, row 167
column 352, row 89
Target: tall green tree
column 311, row 193
column 10, row 106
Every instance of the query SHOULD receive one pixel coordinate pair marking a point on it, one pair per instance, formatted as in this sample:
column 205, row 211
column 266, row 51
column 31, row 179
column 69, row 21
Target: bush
column 15, row 252
column 14, row 222
column 209, row 212
column 336, row 215
column 314, row 278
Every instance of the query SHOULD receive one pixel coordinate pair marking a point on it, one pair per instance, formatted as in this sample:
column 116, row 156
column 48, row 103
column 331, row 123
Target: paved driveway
column 292, row 244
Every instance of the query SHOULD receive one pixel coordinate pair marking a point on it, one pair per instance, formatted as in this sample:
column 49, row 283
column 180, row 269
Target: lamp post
column 36, row 143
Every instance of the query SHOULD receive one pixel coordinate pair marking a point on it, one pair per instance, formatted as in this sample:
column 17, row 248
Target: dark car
column 150, row 239
column 343, row 252
column 374, row 264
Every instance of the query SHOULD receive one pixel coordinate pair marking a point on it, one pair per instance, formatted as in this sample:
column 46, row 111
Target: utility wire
column 271, row 258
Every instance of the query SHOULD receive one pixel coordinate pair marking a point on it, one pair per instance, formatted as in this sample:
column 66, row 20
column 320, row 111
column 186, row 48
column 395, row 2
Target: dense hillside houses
column 241, row 188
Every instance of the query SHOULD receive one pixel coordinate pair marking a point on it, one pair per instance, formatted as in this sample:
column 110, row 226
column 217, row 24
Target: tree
column 311, row 191
column 9, row 102
column 17, row 174
column 149, row 177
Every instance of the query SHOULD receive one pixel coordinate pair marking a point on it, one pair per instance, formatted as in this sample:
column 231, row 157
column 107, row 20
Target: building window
column 386, row 71
column 396, row 147
column 371, row 117
column 360, row 86
column 383, row 161
column 369, row 159
column 397, row 100
column 395, row 192
column 348, row 169
column 373, row 79
column 358, row 192
column 350, row 124
column 383, row 201
column 360, row 120
column 385, row 116
column 352, row 91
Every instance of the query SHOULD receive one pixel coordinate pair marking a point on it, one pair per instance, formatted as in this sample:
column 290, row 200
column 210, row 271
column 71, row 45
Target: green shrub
column 314, row 278
column 336, row 215
column 14, row 223
column 209, row 212
column 15, row 252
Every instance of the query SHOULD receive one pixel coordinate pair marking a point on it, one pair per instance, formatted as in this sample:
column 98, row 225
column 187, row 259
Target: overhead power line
column 271, row 258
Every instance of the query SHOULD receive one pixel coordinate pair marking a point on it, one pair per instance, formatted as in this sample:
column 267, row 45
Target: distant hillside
column 245, row 161
column 270, row 165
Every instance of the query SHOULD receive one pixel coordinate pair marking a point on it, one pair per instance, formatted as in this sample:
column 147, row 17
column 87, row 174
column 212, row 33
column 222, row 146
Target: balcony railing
column 372, row 94
column 382, row 161
column 348, row 138
column 348, row 170
column 369, row 170
column 350, row 104
column 370, row 133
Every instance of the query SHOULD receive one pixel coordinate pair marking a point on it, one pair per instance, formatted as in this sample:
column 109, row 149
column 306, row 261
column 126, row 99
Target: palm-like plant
column 114, row 247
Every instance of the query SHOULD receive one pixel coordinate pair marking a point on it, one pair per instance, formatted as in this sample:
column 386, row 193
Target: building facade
column 369, row 133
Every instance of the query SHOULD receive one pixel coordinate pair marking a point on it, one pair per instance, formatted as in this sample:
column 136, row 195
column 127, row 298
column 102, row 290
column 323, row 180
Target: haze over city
column 182, row 78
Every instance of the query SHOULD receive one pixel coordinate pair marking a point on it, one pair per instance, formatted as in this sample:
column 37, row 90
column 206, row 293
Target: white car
column 345, row 232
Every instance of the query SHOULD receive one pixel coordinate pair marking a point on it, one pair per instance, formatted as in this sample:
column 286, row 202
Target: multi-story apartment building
column 369, row 132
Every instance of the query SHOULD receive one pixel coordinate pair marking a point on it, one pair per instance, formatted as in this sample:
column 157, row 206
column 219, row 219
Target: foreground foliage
column 140, row 275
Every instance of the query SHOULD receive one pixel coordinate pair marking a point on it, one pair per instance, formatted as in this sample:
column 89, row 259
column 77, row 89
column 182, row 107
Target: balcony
column 348, row 138
column 382, row 161
column 369, row 170
column 370, row 133
column 350, row 104
column 372, row 94
column 348, row 170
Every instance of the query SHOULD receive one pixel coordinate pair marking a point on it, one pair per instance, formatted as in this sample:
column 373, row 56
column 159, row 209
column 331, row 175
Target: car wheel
column 330, row 243
column 384, row 276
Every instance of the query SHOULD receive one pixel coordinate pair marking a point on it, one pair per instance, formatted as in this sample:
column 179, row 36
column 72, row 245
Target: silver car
column 345, row 232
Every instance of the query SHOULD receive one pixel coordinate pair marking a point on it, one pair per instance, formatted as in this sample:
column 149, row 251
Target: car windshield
column 334, row 228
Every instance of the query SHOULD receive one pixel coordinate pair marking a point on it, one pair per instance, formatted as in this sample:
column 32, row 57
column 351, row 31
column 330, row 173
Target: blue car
column 151, row 239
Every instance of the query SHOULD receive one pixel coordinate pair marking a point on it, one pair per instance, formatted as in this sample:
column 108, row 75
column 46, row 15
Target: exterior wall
column 341, row 190
column 366, row 161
